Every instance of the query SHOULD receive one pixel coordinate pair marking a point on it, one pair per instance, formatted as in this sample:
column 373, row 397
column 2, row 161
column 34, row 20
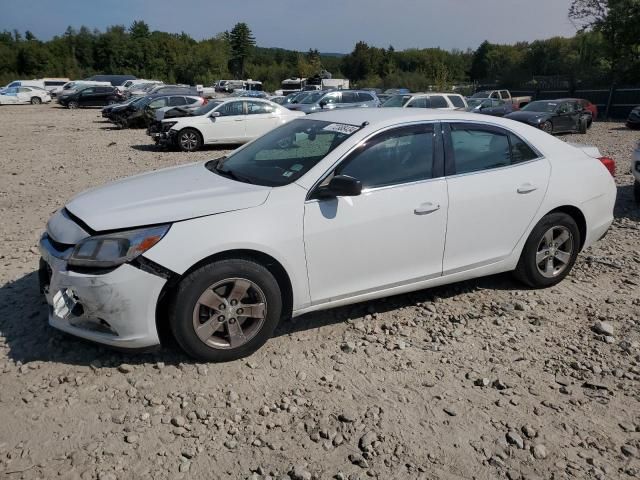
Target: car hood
column 529, row 117
column 163, row 196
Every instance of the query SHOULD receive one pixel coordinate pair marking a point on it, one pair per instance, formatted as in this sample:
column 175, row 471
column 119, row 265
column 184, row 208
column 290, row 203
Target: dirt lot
column 482, row 379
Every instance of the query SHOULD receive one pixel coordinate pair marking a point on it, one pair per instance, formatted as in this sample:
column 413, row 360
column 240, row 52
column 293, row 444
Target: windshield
column 285, row 154
column 312, row 98
column 540, row 106
column 397, row 101
column 480, row 95
column 206, row 108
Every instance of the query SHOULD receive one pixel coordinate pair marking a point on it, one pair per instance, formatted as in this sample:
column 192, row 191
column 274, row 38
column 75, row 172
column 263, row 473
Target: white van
column 48, row 84
column 75, row 85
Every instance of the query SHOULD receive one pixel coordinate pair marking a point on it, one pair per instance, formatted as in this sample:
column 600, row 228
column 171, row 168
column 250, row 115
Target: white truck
column 505, row 95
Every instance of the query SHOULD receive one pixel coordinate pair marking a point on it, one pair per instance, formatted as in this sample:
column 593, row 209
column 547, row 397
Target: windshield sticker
column 296, row 168
column 288, row 173
column 341, row 128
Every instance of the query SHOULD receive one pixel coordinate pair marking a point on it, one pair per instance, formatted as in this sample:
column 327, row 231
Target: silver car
column 329, row 100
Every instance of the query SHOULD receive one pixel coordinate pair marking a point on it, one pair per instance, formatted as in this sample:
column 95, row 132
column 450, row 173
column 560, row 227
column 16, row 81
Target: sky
column 328, row 25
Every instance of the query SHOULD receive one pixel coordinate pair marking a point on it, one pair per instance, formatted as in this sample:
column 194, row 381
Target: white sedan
column 233, row 120
column 326, row 210
column 17, row 95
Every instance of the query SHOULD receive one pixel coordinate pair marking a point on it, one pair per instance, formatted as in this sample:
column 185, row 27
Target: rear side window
column 504, row 94
column 349, row 97
column 365, row 97
column 255, row 108
column 158, row 102
column 398, row 156
column 477, row 148
column 176, row 101
column 438, row 101
column 456, row 100
column 190, row 100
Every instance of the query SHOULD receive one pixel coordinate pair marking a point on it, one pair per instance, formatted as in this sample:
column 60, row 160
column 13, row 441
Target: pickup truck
column 505, row 95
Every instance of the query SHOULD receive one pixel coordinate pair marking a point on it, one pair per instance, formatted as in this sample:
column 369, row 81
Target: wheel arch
column 195, row 129
column 578, row 217
column 266, row 260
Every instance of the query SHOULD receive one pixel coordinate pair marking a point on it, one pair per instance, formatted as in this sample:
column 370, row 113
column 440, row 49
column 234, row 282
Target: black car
column 115, row 80
column 138, row 113
column 555, row 116
column 490, row 106
column 107, row 112
column 96, row 96
column 633, row 120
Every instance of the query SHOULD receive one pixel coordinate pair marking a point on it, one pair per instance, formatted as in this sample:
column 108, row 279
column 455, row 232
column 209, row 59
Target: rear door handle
column 426, row 208
column 527, row 188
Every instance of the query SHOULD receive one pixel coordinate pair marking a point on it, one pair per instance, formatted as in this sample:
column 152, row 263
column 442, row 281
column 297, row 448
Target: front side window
column 331, row 98
column 456, row 101
column 157, row 103
column 231, row 109
column 24, row 89
column 285, row 154
column 87, row 91
column 398, row 156
column 564, row 108
column 477, row 148
column 438, row 101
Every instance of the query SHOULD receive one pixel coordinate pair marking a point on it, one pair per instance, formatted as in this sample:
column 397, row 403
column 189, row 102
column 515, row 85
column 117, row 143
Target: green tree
column 242, row 42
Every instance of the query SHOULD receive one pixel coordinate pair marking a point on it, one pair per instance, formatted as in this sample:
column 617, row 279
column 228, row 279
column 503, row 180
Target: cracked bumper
column 117, row 308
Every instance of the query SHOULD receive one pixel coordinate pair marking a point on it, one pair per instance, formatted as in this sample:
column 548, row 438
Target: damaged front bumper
column 167, row 139
column 116, row 308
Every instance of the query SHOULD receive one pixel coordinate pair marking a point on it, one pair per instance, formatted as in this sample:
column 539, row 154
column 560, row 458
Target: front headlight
column 166, row 126
column 113, row 249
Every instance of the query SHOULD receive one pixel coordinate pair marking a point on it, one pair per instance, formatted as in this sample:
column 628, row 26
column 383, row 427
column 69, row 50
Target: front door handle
column 426, row 208
column 527, row 188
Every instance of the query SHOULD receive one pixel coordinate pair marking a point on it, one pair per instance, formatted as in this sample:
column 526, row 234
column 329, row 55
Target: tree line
column 605, row 49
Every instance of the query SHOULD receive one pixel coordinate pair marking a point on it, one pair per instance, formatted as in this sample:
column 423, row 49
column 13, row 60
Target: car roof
column 388, row 116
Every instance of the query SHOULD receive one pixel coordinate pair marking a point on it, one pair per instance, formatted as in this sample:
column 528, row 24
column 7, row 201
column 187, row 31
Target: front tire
column 72, row 105
column 225, row 310
column 189, row 140
column 36, row 100
column 583, row 126
column 550, row 251
column 547, row 127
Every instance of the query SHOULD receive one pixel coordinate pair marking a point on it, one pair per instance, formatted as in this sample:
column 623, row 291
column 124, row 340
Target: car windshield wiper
column 229, row 173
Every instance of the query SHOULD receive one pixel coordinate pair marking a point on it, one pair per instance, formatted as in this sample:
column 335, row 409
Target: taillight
column 610, row 164
column 205, row 100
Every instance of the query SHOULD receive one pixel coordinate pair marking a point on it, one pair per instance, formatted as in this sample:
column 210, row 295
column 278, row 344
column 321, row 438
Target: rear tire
column 205, row 315
column 550, row 251
column 72, row 105
column 36, row 100
column 189, row 140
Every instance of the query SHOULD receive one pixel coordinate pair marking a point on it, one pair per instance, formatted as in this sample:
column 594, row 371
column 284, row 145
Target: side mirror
column 322, row 104
column 213, row 116
column 340, row 186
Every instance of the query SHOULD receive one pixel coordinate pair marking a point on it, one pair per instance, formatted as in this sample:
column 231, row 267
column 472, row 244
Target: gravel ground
column 482, row 379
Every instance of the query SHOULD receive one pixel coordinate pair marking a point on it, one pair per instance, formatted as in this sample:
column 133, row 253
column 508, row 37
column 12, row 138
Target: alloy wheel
column 229, row 313
column 547, row 127
column 189, row 140
column 554, row 251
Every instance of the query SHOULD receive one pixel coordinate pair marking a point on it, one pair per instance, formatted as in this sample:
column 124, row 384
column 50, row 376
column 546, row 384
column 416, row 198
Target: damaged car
column 234, row 120
column 326, row 210
column 137, row 114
